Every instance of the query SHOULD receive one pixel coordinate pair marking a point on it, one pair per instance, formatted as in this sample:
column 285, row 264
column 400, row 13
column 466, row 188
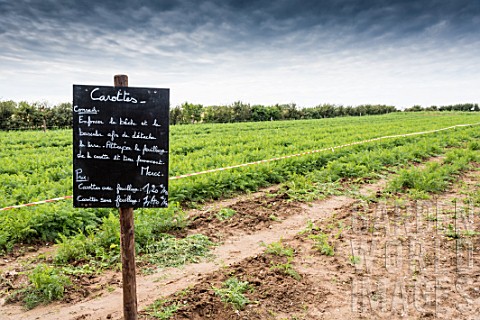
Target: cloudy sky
column 400, row 52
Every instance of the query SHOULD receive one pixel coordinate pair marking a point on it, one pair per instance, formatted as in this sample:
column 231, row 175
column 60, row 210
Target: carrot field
column 37, row 166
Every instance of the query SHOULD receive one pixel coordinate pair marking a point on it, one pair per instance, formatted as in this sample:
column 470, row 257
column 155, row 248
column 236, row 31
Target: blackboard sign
column 120, row 147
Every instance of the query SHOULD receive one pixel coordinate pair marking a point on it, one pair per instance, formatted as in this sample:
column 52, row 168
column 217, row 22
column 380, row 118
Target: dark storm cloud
column 218, row 25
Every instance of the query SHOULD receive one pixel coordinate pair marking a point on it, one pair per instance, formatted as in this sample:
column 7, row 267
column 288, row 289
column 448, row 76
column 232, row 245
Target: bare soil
column 393, row 259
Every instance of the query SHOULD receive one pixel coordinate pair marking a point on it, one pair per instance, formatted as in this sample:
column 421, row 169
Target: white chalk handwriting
column 121, row 96
column 85, row 110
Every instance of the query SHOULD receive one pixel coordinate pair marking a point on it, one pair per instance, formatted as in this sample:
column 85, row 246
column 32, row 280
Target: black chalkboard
column 120, row 147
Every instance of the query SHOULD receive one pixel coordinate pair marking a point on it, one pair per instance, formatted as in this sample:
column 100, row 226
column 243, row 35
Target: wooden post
column 120, row 80
column 127, row 244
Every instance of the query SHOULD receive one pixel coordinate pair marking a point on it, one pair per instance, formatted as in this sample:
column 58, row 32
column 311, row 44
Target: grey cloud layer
column 221, row 25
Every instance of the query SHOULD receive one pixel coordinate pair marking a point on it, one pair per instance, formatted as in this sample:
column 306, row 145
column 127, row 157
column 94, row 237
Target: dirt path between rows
column 149, row 288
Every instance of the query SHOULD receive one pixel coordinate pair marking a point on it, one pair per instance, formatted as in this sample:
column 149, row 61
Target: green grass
column 162, row 309
column 225, row 214
column 169, row 251
column 354, row 260
column 278, row 249
column 287, row 269
column 321, row 241
column 322, row 244
column 233, row 292
column 45, row 284
column 102, row 243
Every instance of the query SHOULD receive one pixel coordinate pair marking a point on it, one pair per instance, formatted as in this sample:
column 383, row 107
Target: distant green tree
column 415, row 108
column 274, row 112
column 290, row 111
column 176, row 115
column 259, row 113
column 27, row 115
column 326, row 110
column 217, row 114
column 349, row 111
column 60, row 116
column 7, row 110
column 223, row 114
column 192, row 112
column 241, row 111
column 339, row 111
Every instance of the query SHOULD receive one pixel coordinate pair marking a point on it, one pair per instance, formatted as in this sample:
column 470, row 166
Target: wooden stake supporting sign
column 120, row 152
column 127, row 245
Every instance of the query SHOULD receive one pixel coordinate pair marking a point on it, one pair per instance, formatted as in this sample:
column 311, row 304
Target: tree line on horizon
column 24, row 115
column 244, row 112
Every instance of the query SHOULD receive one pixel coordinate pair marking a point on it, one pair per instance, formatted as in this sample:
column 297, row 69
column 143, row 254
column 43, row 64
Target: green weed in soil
column 233, row 292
